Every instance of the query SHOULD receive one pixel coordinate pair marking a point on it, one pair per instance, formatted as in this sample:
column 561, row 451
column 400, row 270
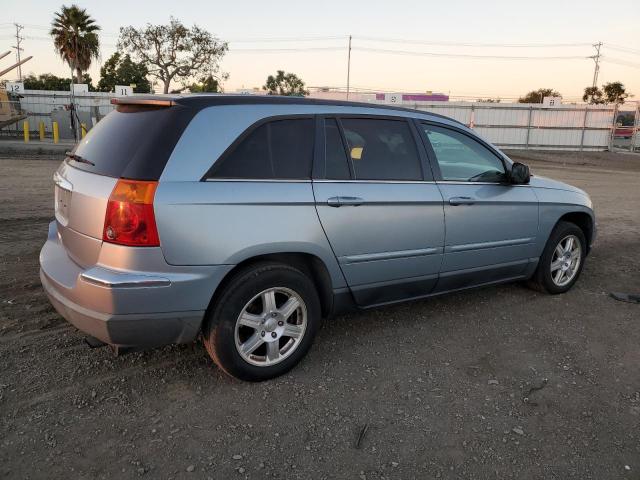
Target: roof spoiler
column 156, row 102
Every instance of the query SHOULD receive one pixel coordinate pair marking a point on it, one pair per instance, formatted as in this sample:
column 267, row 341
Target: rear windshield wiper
column 79, row 159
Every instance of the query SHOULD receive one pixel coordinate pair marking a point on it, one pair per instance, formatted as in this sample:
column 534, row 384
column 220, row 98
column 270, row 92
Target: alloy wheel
column 270, row 326
column 565, row 261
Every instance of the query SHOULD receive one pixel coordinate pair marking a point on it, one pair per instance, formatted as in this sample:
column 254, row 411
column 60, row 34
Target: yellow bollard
column 41, row 130
column 25, row 127
column 83, row 129
column 56, row 133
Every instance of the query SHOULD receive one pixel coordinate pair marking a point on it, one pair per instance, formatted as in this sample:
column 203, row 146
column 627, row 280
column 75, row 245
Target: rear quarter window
column 277, row 149
column 133, row 141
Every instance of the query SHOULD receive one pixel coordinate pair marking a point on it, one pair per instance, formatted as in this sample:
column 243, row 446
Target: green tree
column 536, row 96
column 174, row 52
column 75, row 38
column 48, row 81
column 121, row 70
column 615, row 92
column 593, row 95
column 207, row 84
column 285, row 84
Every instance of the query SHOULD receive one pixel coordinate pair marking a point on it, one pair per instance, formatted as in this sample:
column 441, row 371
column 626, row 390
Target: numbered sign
column 123, row 90
column 552, row 101
column 393, row 98
column 15, row 87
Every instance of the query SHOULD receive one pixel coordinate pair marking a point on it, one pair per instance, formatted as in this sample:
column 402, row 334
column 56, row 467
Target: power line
column 622, row 49
column 285, row 39
column 470, row 44
column 620, row 62
column 466, row 55
column 284, row 50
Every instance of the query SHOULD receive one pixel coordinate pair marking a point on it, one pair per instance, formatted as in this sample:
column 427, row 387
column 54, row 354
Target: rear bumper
column 129, row 308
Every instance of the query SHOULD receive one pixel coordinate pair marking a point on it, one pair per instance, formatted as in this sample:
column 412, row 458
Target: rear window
column 133, row 141
column 279, row 149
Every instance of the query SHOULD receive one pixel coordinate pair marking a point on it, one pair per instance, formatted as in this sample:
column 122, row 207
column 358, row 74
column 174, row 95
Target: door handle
column 461, row 201
column 344, row 201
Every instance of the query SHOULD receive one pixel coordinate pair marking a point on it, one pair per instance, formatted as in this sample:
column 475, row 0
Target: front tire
column 264, row 322
column 561, row 261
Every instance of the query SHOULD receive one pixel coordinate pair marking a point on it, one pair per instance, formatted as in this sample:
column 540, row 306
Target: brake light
column 130, row 219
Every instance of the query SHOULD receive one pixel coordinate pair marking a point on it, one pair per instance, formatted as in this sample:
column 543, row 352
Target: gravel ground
column 494, row 383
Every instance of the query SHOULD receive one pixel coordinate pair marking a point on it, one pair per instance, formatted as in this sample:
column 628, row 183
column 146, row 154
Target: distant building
column 412, row 98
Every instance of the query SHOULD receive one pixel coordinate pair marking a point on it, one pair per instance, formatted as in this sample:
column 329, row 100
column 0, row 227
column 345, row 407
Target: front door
column 491, row 226
column 383, row 220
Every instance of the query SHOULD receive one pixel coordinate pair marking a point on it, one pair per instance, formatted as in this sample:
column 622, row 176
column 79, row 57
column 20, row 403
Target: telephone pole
column 348, row 66
column 18, row 48
column 596, row 59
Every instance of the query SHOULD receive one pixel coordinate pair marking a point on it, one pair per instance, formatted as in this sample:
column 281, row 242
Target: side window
column 462, row 158
column 336, row 166
column 280, row 149
column 381, row 149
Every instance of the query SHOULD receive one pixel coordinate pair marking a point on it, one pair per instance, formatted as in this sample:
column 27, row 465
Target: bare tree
column 174, row 52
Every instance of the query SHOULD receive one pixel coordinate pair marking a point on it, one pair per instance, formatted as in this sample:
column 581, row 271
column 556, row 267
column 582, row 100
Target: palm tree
column 75, row 38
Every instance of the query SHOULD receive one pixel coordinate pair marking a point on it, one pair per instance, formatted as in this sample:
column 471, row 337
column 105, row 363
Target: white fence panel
column 509, row 125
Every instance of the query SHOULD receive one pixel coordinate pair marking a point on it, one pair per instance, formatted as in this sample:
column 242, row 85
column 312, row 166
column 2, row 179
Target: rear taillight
column 129, row 219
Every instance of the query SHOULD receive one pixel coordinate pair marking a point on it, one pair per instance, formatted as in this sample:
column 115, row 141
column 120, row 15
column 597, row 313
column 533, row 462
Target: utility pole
column 18, row 48
column 348, row 67
column 596, row 59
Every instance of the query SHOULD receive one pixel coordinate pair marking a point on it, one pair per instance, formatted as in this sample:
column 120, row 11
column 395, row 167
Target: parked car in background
column 623, row 132
column 248, row 220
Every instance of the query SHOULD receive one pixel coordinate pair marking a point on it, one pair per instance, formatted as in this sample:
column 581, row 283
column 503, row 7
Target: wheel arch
column 582, row 220
column 309, row 264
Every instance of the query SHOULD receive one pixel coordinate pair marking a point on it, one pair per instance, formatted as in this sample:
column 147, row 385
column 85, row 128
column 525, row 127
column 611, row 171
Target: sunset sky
column 318, row 31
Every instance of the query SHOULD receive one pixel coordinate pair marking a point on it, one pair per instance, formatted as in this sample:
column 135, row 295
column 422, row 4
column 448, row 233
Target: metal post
column 56, row 132
column 596, row 59
column 348, row 67
column 584, row 127
column 613, row 127
column 635, row 135
column 41, row 129
column 25, row 127
column 529, row 127
column 18, row 48
column 74, row 125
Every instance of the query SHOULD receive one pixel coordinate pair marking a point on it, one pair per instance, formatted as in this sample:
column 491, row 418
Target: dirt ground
column 494, row 383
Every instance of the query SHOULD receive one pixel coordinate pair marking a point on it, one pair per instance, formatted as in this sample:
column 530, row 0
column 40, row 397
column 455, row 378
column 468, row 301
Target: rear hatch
column 132, row 142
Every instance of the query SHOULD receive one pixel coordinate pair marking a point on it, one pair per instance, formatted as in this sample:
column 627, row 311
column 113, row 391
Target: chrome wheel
column 565, row 260
column 270, row 326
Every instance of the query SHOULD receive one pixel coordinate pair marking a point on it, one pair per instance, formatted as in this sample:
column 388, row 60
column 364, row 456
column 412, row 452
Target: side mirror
column 519, row 174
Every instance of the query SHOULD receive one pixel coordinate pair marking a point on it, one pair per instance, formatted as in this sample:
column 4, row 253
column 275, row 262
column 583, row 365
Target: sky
column 393, row 42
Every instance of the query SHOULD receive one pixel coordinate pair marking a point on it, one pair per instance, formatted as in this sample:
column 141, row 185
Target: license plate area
column 62, row 204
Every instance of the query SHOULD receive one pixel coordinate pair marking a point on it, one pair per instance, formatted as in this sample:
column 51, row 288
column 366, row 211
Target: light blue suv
column 249, row 219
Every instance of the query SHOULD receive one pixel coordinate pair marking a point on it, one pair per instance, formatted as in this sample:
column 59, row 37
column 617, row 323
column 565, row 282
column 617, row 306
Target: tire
column 248, row 295
column 545, row 278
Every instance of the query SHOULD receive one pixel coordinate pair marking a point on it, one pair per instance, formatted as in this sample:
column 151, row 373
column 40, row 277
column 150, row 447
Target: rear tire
column 562, row 260
column 264, row 322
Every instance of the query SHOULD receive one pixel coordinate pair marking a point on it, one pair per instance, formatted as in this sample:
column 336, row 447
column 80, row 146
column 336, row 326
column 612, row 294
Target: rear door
column 491, row 225
column 379, row 207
